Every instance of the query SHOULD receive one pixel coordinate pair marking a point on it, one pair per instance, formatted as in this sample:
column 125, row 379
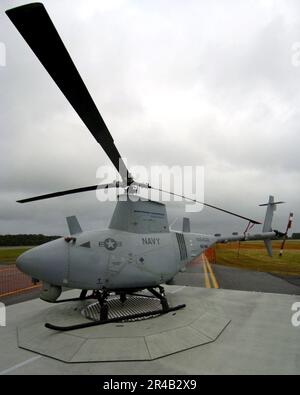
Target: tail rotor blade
column 285, row 237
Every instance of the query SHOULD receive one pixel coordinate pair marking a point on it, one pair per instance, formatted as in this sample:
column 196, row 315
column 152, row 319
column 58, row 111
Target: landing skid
column 104, row 310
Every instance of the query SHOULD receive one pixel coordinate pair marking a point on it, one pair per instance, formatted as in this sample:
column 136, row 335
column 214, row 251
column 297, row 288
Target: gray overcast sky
column 178, row 82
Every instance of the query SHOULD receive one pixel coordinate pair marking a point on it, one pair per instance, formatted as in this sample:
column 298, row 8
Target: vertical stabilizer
column 269, row 215
column 271, row 208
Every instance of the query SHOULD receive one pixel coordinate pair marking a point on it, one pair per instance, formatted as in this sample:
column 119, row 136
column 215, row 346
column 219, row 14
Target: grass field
column 253, row 256
column 9, row 255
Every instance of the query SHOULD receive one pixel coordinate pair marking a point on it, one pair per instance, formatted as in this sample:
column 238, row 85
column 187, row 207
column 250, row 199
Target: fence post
column 2, row 314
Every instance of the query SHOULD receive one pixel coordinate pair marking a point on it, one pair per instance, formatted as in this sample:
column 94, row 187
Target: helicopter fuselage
column 113, row 260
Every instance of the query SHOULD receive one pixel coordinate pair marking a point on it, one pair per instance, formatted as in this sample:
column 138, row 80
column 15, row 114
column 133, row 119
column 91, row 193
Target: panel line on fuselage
column 182, row 246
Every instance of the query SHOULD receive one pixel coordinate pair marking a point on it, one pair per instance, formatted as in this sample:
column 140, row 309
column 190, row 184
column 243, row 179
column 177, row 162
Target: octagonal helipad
column 150, row 339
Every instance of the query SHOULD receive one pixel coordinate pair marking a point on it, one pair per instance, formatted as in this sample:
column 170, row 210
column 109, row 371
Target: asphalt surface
column 237, row 279
column 246, row 280
column 22, row 297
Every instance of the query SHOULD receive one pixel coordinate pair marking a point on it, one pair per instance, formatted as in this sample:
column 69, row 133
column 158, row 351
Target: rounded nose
column 47, row 262
column 23, row 262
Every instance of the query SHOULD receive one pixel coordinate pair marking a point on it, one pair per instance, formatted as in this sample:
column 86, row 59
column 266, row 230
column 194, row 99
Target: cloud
column 178, row 83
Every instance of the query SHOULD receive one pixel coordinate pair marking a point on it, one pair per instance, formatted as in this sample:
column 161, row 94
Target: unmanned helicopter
column 139, row 251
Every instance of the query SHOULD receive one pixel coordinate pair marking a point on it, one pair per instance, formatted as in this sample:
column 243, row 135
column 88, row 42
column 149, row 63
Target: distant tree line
column 296, row 236
column 25, row 240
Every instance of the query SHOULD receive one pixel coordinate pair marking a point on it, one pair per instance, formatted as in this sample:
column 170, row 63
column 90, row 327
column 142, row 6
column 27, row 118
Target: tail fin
column 271, row 208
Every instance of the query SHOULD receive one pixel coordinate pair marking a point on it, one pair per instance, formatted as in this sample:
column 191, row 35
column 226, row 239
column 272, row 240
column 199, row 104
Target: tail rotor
column 285, row 236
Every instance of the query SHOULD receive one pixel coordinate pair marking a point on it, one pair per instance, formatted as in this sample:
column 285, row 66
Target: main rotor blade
column 37, row 29
column 68, row 192
column 204, row 204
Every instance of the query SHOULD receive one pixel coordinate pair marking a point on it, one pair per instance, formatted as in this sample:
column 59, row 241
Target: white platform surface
column 260, row 339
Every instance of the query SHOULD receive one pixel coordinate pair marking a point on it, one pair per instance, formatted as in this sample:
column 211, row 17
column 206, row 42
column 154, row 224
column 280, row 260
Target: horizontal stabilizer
column 73, row 225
